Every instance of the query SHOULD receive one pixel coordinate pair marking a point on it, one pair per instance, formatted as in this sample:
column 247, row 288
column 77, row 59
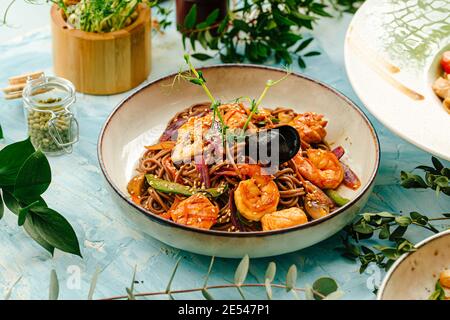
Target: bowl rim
column 402, row 258
column 166, row 222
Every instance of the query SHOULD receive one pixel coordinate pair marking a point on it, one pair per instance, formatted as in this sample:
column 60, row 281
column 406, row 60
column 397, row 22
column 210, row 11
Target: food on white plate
column 442, row 84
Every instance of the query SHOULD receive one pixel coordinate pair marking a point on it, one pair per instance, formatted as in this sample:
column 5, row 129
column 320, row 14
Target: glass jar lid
column 48, row 92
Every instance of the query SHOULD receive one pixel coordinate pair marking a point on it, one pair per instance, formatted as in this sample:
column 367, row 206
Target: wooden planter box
column 102, row 63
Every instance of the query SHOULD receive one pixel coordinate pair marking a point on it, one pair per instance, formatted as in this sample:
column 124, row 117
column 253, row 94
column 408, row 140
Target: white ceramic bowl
column 141, row 118
column 414, row 275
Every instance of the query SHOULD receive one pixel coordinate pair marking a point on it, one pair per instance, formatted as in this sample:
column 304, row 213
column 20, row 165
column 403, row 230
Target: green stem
column 224, row 286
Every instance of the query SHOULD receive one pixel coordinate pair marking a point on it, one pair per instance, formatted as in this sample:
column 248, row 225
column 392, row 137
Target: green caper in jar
column 38, row 126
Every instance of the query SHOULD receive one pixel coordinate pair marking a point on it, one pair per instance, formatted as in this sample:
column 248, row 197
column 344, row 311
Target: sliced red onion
column 351, row 180
column 338, row 152
column 202, row 168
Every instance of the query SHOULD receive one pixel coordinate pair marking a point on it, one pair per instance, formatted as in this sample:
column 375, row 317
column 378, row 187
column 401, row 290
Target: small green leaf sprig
column 392, row 227
column 323, row 288
column 389, row 227
column 258, row 30
column 25, row 175
column 436, row 178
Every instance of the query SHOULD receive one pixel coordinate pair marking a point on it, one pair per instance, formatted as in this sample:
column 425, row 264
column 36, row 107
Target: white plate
column 414, row 275
column 391, row 53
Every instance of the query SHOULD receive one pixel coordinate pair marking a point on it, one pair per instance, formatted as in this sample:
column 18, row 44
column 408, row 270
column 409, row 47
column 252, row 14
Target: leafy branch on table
column 324, row 288
column 25, row 175
column 390, row 227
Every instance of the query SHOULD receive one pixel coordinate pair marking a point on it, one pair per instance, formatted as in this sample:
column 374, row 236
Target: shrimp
column 190, row 140
column 235, row 116
column 195, row 211
column 310, row 126
column 283, row 219
column 321, row 167
column 256, row 196
column 316, row 202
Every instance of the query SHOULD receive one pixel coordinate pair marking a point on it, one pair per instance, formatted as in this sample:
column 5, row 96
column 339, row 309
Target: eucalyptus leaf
column 54, row 286
column 309, row 294
column 268, row 286
column 324, row 286
column 174, row 271
column 206, row 294
column 130, row 290
column 241, row 271
column 93, row 283
column 209, row 271
column 10, row 290
column 33, row 178
column 270, row 272
column 291, row 278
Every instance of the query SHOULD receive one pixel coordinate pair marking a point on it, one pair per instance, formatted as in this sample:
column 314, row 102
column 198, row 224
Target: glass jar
column 49, row 112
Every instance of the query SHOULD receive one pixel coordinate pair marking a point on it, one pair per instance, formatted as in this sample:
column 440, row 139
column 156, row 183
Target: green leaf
column 12, row 157
column 206, row 294
column 268, row 286
column 291, row 278
column 201, row 56
column 31, row 230
column 304, row 44
column 11, row 203
column 212, row 17
column 301, row 63
column 33, row 178
column 397, row 233
column 130, row 290
column 312, row 54
column 54, row 229
column 439, row 292
column 270, row 272
column 1, row 133
column 403, row 221
column 24, row 211
column 363, row 228
column 93, row 283
column 384, row 232
column 191, row 17
column 324, row 286
column 223, row 25
column 241, row 271
column 209, row 271
column 437, row 164
column 54, row 286
column 169, row 284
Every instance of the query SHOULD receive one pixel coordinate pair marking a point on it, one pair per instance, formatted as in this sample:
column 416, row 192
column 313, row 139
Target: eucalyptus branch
column 212, row 287
column 322, row 288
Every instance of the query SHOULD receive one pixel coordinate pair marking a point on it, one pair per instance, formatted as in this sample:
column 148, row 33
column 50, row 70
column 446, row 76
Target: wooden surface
column 113, row 245
column 102, row 63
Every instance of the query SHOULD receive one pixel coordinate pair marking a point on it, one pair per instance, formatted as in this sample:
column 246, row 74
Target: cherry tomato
column 445, row 62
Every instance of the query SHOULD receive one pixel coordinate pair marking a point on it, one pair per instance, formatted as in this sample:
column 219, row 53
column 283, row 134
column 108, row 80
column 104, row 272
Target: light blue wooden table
column 109, row 242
